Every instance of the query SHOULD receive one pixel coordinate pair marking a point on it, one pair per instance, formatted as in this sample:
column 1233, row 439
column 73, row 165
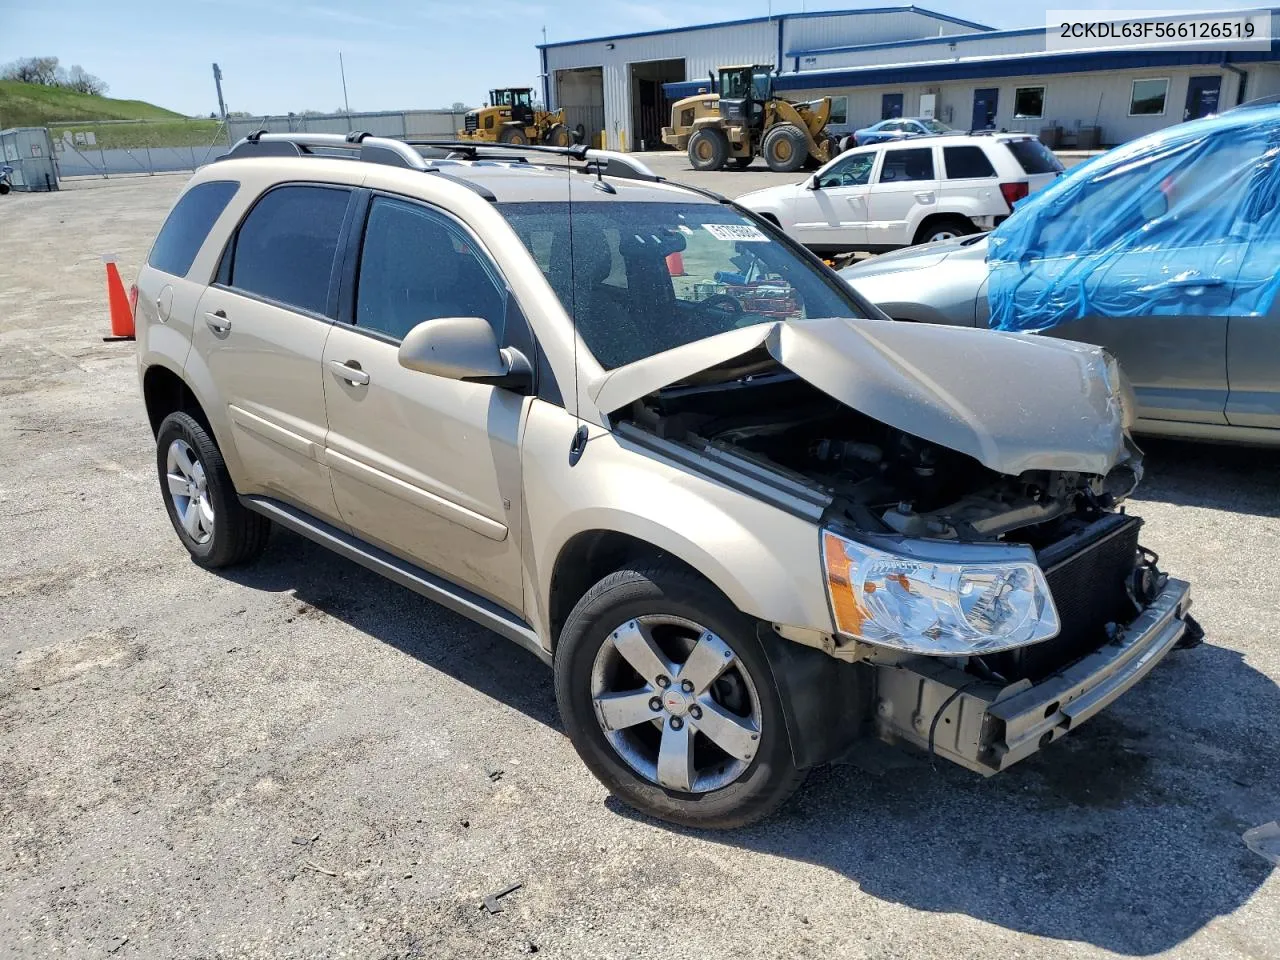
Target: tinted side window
column 1034, row 156
column 286, row 246
column 907, row 165
column 417, row 265
column 852, row 171
column 964, row 163
column 188, row 223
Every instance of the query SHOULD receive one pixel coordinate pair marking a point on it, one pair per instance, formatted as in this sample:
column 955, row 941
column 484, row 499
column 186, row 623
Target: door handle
column 350, row 372
column 218, row 322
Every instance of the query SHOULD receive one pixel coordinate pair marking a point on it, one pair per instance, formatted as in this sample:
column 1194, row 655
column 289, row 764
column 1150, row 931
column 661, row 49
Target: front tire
column 206, row 513
column 559, row 136
column 708, row 149
column 668, row 697
column 785, row 148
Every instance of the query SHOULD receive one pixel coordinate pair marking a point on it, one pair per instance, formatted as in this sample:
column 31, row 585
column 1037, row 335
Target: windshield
column 641, row 278
column 933, row 126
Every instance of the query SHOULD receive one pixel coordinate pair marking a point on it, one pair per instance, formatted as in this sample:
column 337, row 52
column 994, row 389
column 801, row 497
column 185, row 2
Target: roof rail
column 401, row 153
column 360, row 145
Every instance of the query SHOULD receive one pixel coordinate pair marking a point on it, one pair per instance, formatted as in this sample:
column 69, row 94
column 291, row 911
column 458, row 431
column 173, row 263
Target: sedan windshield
column 933, row 126
column 641, row 278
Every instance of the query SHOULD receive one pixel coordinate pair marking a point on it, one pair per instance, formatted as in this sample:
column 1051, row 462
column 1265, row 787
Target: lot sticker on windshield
column 735, row 231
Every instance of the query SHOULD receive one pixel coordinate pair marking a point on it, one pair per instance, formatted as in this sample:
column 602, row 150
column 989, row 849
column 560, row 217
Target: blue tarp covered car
column 1179, row 221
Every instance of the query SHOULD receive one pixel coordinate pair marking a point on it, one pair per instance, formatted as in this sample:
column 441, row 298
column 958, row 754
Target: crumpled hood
column 1010, row 401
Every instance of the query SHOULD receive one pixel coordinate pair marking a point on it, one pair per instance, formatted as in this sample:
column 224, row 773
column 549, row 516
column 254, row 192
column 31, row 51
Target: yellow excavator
column 741, row 118
column 509, row 117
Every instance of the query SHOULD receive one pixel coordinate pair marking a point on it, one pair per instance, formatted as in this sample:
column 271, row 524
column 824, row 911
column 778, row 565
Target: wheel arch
column 589, row 556
column 164, row 392
column 951, row 216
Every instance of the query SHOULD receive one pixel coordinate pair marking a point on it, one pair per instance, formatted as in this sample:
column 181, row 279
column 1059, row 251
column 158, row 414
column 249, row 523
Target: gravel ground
column 300, row 759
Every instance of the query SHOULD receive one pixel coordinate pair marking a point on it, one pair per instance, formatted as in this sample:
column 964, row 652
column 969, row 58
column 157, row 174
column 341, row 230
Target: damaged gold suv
column 750, row 522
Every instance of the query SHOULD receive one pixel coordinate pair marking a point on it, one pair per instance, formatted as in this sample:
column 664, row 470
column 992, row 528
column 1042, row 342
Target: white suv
column 897, row 194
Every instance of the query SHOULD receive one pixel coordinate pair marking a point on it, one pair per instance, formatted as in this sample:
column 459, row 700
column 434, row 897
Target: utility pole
column 345, row 103
column 217, row 82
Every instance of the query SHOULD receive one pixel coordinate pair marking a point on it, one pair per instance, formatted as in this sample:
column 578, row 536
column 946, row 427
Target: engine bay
column 880, row 479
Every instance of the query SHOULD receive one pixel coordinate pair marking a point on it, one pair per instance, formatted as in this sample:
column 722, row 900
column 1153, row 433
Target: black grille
column 1087, row 573
column 471, row 122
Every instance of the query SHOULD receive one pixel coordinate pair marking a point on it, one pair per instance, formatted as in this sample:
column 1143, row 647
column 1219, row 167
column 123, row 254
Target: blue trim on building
column 921, row 42
column 931, row 14
column 946, row 38
column 1071, row 62
column 546, row 82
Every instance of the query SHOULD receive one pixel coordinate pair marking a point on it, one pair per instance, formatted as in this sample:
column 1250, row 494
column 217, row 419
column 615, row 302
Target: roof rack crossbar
column 612, row 163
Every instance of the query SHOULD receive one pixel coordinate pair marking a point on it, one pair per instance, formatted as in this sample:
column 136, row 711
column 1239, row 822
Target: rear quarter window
column 1034, row 157
column 188, row 224
column 286, row 246
column 966, row 163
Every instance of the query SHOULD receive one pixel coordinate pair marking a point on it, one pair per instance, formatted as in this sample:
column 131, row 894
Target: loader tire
column 708, row 149
column 785, row 148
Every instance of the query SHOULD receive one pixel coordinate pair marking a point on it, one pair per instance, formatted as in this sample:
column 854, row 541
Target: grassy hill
column 30, row 105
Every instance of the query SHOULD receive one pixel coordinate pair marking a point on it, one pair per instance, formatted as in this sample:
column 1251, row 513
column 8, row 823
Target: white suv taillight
column 1013, row 192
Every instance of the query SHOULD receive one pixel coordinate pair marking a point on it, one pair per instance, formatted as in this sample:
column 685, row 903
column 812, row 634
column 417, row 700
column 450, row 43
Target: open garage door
column 580, row 93
column 650, row 108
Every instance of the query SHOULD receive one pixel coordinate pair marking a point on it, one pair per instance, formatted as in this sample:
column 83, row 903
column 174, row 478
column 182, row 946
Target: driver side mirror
column 814, row 183
column 464, row 348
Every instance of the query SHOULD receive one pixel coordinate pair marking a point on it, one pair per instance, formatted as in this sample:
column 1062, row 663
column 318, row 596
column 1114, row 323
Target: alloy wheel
column 188, row 488
column 676, row 703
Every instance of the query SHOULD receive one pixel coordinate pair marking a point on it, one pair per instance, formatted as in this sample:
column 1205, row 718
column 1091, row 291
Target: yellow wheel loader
column 741, row 118
column 509, row 117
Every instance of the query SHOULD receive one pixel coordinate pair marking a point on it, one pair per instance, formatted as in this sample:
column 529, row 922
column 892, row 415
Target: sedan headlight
column 944, row 606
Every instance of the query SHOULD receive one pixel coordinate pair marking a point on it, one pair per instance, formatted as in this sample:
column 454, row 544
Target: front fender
column 764, row 559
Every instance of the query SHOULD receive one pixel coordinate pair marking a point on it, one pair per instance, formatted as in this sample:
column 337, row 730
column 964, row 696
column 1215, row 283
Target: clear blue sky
column 282, row 55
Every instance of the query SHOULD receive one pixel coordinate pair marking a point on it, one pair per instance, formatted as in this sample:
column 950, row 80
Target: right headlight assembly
column 951, row 604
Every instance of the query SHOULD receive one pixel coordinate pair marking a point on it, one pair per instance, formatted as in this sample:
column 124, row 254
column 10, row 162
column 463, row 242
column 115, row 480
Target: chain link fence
column 108, row 148
column 112, row 148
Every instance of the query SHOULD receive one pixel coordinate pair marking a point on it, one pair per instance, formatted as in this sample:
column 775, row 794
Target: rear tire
column 674, row 607
column 708, row 149
column 4, row 188
column 206, row 513
column 513, row 135
column 943, row 228
column 785, row 148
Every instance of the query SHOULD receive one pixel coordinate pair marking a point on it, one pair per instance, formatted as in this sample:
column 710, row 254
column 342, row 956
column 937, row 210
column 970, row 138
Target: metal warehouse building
column 903, row 61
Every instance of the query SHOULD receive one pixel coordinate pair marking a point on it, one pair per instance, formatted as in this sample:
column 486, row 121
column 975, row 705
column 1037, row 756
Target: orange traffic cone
column 675, row 264
column 118, row 302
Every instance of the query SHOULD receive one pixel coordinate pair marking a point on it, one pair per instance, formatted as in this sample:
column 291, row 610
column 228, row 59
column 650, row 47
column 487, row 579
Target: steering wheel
column 718, row 302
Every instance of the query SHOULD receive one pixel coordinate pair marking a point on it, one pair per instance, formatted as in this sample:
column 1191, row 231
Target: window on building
column 901, row 166
column 839, row 110
column 966, row 163
column 1028, row 103
column 1148, row 97
column 417, row 265
column 285, row 248
column 188, row 224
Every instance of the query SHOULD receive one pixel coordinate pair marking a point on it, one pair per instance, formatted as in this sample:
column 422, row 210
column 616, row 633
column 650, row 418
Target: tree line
column 48, row 72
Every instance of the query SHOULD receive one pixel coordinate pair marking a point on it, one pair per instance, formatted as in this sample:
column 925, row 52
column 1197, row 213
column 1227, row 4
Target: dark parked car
column 1164, row 251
